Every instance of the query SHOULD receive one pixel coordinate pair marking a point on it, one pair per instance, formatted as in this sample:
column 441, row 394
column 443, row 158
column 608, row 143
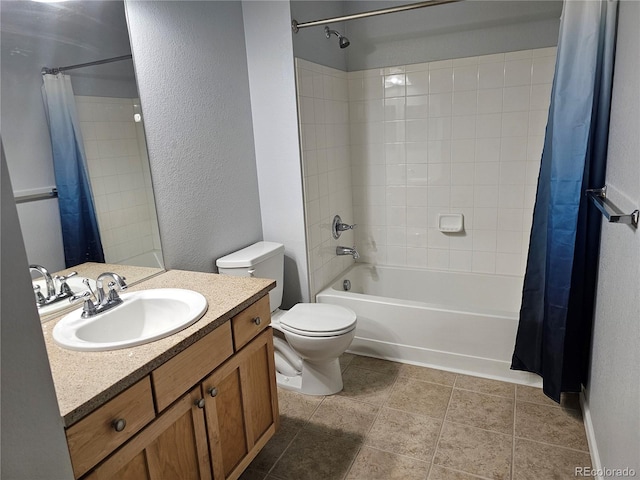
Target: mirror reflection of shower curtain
column 559, row 286
column 80, row 233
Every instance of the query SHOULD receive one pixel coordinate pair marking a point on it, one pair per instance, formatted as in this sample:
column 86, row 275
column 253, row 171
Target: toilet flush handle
column 251, row 272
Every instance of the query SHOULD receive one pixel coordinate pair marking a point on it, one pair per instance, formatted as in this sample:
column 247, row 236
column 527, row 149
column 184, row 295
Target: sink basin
column 76, row 286
column 142, row 317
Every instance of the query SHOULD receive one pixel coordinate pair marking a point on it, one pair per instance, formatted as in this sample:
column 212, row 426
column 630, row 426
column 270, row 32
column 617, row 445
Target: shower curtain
column 559, row 287
column 80, row 234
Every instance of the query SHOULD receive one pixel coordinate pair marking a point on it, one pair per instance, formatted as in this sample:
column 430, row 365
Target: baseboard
column 591, row 436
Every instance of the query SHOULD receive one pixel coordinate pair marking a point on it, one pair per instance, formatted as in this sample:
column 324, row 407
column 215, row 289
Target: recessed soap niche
column 451, row 222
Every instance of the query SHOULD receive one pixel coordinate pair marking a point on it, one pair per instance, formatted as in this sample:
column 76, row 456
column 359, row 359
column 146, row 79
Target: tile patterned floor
column 395, row 421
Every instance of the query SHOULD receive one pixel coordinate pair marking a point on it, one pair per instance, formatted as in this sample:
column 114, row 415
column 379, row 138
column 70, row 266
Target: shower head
column 342, row 40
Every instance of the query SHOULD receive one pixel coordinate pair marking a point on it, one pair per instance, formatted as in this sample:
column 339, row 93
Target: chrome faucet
column 51, row 288
column 337, row 227
column 52, row 296
column 348, row 251
column 104, row 301
column 112, row 296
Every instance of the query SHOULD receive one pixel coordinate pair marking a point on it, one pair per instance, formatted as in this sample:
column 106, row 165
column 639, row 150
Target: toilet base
column 316, row 379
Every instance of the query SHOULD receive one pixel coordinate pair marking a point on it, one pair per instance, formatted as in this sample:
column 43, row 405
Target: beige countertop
column 85, row 380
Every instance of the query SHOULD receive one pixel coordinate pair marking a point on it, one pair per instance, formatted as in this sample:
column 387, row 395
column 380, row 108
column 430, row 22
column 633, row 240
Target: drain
column 346, row 285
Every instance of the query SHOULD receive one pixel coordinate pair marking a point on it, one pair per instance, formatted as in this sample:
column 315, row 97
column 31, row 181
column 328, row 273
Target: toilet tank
column 261, row 260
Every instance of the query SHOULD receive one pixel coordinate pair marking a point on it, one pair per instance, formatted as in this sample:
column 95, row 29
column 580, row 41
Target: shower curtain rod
column 53, row 71
column 401, row 8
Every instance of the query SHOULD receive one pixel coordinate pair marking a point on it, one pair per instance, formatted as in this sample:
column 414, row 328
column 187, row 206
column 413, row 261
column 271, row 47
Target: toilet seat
column 318, row 320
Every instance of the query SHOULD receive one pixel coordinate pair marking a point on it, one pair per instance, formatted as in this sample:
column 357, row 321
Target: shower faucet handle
column 338, row 227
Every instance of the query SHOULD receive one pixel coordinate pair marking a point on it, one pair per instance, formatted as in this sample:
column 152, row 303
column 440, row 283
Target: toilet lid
column 318, row 320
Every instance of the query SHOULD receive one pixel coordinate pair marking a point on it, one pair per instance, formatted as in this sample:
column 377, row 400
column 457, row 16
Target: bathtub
column 462, row 322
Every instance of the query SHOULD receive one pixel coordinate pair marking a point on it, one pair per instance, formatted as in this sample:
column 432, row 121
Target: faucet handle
column 337, row 227
column 345, row 226
column 75, row 298
column 40, row 300
column 113, row 294
column 64, row 288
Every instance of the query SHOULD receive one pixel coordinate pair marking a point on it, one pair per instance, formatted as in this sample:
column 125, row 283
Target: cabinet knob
column 257, row 320
column 200, row 403
column 119, row 424
column 213, row 391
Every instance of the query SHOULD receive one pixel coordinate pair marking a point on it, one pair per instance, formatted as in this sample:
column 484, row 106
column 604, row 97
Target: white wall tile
column 489, row 125
column 483, row 262
column 543, row 69
column 465, row 77
column 441, row 80
column 463, row 126
column 461, row 135
column 417, row 107
column 517, row 72
column 439, row 174
column 439, row 151
column 462, row 173
column 394, row 85
column 417, row 83
column 491, row 75
column 465, row 102
column 440, row 104
column 516, row 99
column 417, row 153
column 490, row 100
column 487, row 149
column 438, row 258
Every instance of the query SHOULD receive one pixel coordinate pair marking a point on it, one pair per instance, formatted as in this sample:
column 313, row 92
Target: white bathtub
column 462, row 322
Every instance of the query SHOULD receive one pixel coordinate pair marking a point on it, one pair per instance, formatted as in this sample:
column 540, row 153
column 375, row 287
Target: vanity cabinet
column 241, row 407
column 173, row 446
column 216, row 406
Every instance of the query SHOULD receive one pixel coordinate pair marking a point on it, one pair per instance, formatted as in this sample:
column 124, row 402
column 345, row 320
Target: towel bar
column 609, row 210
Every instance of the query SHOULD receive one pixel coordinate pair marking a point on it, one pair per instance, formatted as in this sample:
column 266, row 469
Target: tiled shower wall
column 454, row 136
column 120, row 177
column 324, row 128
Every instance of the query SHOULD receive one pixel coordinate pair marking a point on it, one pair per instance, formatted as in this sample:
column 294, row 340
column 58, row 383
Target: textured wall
column 613, row 392
column 273, row 89
column 33, row 442
column 192, row 74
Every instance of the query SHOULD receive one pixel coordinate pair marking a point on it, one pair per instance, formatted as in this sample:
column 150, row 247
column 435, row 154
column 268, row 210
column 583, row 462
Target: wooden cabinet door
column 174, row 446
column 241, row 407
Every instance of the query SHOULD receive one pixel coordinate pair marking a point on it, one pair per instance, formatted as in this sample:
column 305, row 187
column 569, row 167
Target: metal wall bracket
column 609, row 210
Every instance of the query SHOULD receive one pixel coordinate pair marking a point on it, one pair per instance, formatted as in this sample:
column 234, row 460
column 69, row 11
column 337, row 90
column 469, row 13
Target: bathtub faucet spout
column 348, row 251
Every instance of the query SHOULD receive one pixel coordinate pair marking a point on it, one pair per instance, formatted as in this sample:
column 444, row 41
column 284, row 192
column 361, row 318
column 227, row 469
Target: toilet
column 310, row 337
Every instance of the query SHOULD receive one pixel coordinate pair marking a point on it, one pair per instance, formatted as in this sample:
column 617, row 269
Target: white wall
column 32, row 435
column 191, row 66
column 613, row 392
column 275, row 130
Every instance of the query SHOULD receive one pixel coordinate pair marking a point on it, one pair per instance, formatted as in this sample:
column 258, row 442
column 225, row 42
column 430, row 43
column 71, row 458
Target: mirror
column 37, row 35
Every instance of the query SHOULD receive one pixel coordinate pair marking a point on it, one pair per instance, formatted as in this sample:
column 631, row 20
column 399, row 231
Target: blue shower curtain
column 559, row 287
column 80, row 234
